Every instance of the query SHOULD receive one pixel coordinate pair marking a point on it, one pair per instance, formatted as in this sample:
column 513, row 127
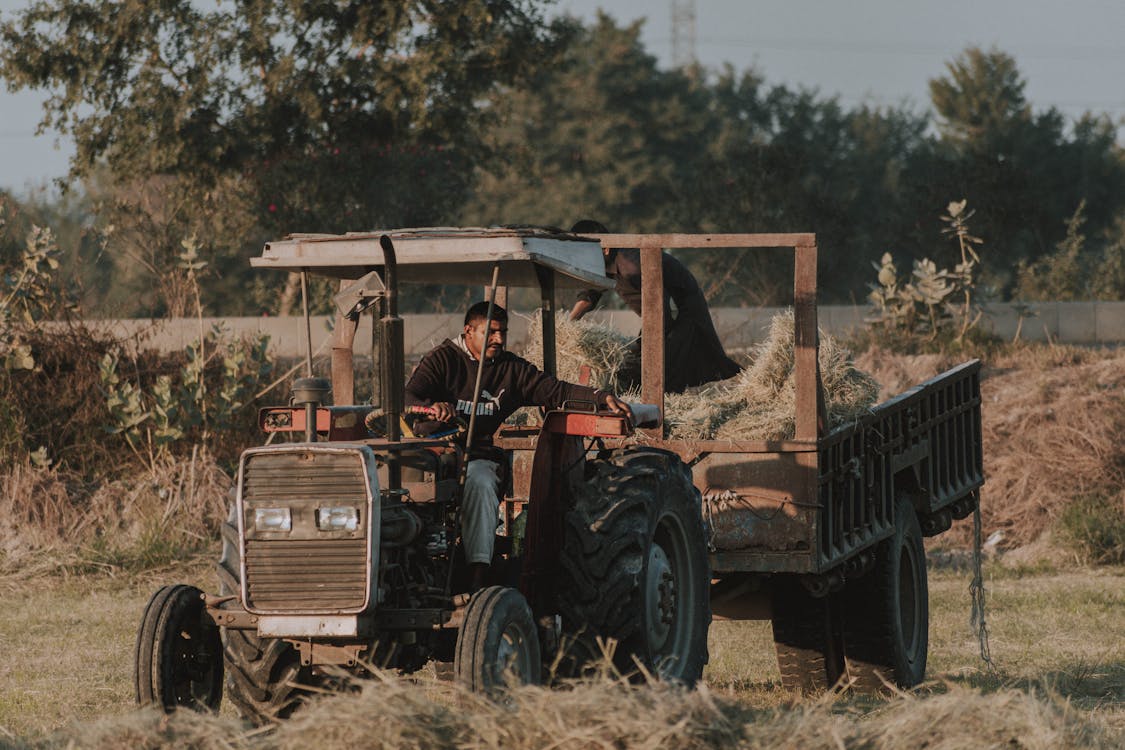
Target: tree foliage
column 302, row 115
column 1025, row 171
column 599, row 131
column 259, row 118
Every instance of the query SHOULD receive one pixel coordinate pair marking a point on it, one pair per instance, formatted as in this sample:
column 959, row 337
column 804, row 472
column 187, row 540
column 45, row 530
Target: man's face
column 497, row 337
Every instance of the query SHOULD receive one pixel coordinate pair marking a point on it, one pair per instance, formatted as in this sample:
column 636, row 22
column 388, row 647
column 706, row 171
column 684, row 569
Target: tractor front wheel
column 178, row 659
column 498, row 643
column 263, row 675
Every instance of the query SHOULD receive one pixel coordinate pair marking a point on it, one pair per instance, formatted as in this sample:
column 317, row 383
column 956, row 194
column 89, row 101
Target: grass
column 1093, row 528
column 68, row 645
column 1065, row 631
column 1057, row 640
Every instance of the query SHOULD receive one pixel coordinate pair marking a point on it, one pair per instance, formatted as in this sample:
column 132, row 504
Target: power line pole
column 683, row 33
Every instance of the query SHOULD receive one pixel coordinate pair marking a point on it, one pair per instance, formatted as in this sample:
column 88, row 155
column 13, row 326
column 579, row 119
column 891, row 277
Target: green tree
column 793, row 161
column 1024, row 171
column 602, row 132
column 599, row 132
column 1063, row 275
column 981, row 104
column 313, row 116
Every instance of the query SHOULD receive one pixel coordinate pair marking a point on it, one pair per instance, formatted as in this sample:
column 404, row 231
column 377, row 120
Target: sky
column 878, row 52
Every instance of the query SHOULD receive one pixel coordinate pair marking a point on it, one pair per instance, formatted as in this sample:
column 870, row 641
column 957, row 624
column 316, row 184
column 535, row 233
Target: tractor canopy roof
column 447, row 255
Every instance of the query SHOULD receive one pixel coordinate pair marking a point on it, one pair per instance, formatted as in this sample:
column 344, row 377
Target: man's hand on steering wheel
column 443, row 411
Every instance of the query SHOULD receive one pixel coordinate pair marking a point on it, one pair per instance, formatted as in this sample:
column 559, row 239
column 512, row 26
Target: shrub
column 1093, row 529
column 1063, row 275
column 52, row 521
column 933, row 304
column 201, row 399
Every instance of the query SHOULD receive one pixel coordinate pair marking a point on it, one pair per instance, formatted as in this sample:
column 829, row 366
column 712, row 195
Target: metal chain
column 976, row 591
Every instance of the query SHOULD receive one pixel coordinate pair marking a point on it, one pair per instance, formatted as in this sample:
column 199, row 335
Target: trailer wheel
column 498, row 643
column 263, row 675
column 635, row 568
column 807, row 637
column 178, row 659
column 886, row 628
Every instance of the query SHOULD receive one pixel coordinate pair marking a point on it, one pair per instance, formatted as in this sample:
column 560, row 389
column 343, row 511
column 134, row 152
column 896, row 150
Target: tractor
column 341, row 551
column 617, row 542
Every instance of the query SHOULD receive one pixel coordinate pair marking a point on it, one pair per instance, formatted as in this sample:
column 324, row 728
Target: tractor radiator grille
column 307, row 571
column 306, row 575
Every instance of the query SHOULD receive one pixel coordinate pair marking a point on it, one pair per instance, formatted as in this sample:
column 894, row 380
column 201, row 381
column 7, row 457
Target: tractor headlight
column 272, row 519
column 343, row 518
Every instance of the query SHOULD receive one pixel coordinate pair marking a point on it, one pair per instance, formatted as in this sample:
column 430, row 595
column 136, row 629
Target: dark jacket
column 449, row 372
column 693, row 354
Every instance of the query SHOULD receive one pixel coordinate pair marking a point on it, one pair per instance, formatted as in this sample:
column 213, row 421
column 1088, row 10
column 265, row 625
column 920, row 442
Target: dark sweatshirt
column 449, row 372
column 693, row 354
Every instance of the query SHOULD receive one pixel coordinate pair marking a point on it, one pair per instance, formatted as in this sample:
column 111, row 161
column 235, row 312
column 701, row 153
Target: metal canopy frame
column 447, row 256
column 523, row 256
column 810, row 417
column 550, row 261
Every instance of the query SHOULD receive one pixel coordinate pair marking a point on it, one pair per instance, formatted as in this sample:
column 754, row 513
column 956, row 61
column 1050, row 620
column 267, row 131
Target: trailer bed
column 800, row 508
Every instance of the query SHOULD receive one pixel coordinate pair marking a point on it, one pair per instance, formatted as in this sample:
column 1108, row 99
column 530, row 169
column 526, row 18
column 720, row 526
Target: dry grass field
column 1053, row 420
column 1057, row 642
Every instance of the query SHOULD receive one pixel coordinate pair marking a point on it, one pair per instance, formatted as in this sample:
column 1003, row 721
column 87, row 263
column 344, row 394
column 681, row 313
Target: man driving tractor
column 445, row 380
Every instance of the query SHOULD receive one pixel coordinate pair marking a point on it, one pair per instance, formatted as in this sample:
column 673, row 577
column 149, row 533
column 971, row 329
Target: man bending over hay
column 693, row 354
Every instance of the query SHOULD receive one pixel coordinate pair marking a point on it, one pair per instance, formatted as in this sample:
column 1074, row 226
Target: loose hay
column 50, row 521
column 760, row 402
column 1052, row 435
column 400, row 713
column 606, row 351
column 757, row 404
column 896, row 372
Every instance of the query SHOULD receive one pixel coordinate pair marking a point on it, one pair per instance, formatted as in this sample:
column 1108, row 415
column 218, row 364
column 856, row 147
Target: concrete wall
column 1067, row 322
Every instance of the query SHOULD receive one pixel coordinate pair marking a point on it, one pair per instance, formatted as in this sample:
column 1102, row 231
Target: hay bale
column 699, row 413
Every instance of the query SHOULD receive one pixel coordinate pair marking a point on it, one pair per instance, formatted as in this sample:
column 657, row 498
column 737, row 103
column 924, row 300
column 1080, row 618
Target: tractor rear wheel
column 178, row 659
column 498, row 643
column 807, row 637
column 886, row 629
column 635, row 568
column 262, row 674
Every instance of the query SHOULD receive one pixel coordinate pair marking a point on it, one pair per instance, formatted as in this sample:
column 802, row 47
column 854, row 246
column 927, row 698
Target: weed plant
column 1093, row 529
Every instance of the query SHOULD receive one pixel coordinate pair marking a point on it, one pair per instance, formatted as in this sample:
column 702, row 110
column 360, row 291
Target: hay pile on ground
column 897, row 373
column 398, row 713
column 1052, row 417
column 1052, row 420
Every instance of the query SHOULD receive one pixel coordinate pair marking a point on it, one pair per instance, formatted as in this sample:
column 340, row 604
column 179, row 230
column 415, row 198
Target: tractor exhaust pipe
column 392, row 360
